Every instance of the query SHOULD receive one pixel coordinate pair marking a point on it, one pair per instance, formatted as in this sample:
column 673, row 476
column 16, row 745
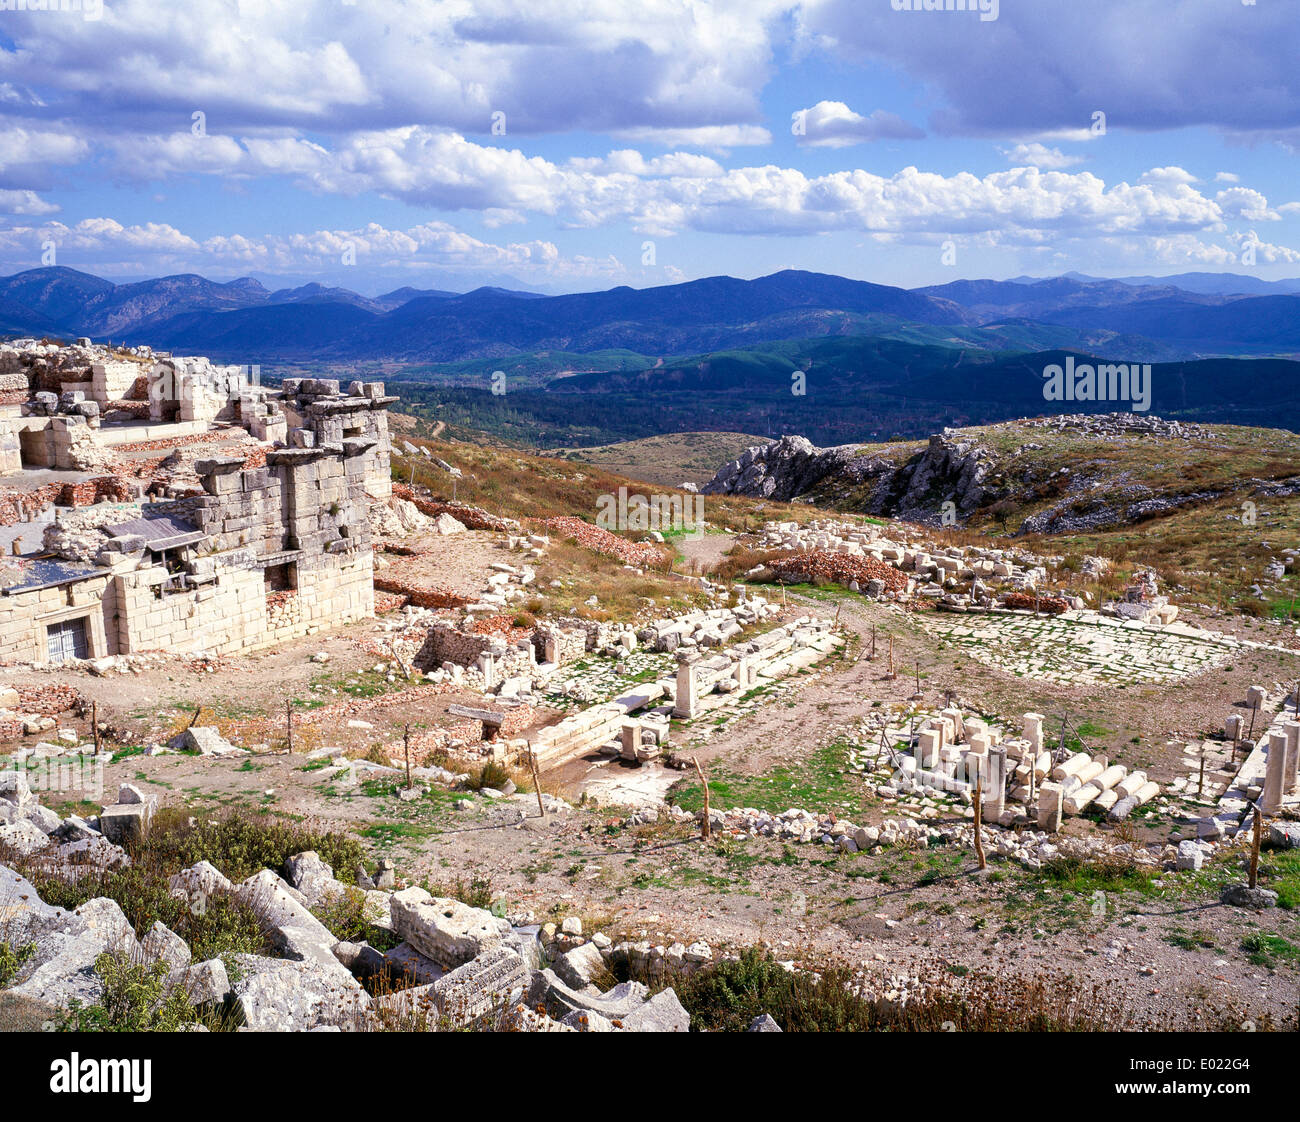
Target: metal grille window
column 66, row 640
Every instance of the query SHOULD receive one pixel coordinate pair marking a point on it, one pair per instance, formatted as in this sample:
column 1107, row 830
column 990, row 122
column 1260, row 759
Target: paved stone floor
column 1073, row 652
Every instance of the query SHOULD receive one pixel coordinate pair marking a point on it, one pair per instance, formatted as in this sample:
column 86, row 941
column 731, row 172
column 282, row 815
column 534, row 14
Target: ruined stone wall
column 333, row 416
column 25, row 615
column 235, row 612
column 559, row 645
column 445, row 643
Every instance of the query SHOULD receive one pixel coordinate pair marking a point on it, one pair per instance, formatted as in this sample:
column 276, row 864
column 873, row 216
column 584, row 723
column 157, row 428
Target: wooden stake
column 918, row 675
column 1200, row 785
column 94, row 724
column 891, row 658
column 288, row 720
column 194, row 720
column 537, row 782
column 705, row 829
column 873, row 642
column 1254, row 847
column 406, row 748
column 979, row 822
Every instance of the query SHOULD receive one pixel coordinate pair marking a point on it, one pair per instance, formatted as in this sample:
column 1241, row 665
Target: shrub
column 136, row 998
column 237, row 845
column 477, row 893
column 224, row 925
column 11, row 960
column 490, row 775
column 346, row 918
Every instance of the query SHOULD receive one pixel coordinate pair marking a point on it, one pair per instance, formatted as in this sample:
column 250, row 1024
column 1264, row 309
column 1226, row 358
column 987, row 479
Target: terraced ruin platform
column 1073, row 651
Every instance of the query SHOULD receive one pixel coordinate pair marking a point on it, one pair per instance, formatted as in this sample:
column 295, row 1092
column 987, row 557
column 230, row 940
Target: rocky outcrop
column 782, row 470
column 950, row 469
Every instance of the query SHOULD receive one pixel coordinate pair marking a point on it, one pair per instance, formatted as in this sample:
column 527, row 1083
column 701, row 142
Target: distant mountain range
column 1146, row 318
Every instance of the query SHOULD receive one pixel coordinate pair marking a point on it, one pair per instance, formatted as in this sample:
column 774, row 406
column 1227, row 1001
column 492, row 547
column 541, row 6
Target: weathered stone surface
column 199, row 883
column 547, row 989
column 206, row 742
column 488, row 983
column 14, row 788
column 662, row 1013
column 162, row 943
column 1191, row 855
column 405, row 961
column 445, row 930
column 280, row 995
column 286, row 919
column 125, row 822
column 587, row 1020
column 205, row 982
column 313, row 878
column 63, row 966
column 42, row 818
column 1284, row 835
column 23, row 837
column 763, row 1023
column 1243, row 896
column 581, row 966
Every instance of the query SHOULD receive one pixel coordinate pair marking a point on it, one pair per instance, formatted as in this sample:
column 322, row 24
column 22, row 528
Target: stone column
column 1291, row 761
column 630, row 739
column 1051, row 800
column 995, row 793
column 1274, row 766
column 1232, row 727
column 928, row 742
column 1034, row 732
column 488, row 665
column 687, row 687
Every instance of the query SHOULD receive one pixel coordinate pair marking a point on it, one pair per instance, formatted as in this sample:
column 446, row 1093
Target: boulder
column 63, row 968
column 662, row 1013
column 280, row 995
column 581, row 966
column 161, row 943
column 1243, row 896
column 206, row 742
column 199, row 883
column 285, row 918
column 205, row 982
column 23, row 837
column 445, row 930
column 559, row 999
column 313, row 878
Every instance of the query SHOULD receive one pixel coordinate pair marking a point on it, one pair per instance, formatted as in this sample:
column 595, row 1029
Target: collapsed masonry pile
column 1024, row 602
column 1031, row 848
column 1269, row 776
column 868, row 574
column 904, row 565
column 31, row 711
column 471, row 517
column 1113, row 425
column 702, row 684
column 454, row 966
column 1142, row 601
column 30, row 366
column 953, row 753
column 641, row 555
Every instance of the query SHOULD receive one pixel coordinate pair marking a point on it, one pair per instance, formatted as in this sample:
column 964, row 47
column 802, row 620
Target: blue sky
column 645, row 143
